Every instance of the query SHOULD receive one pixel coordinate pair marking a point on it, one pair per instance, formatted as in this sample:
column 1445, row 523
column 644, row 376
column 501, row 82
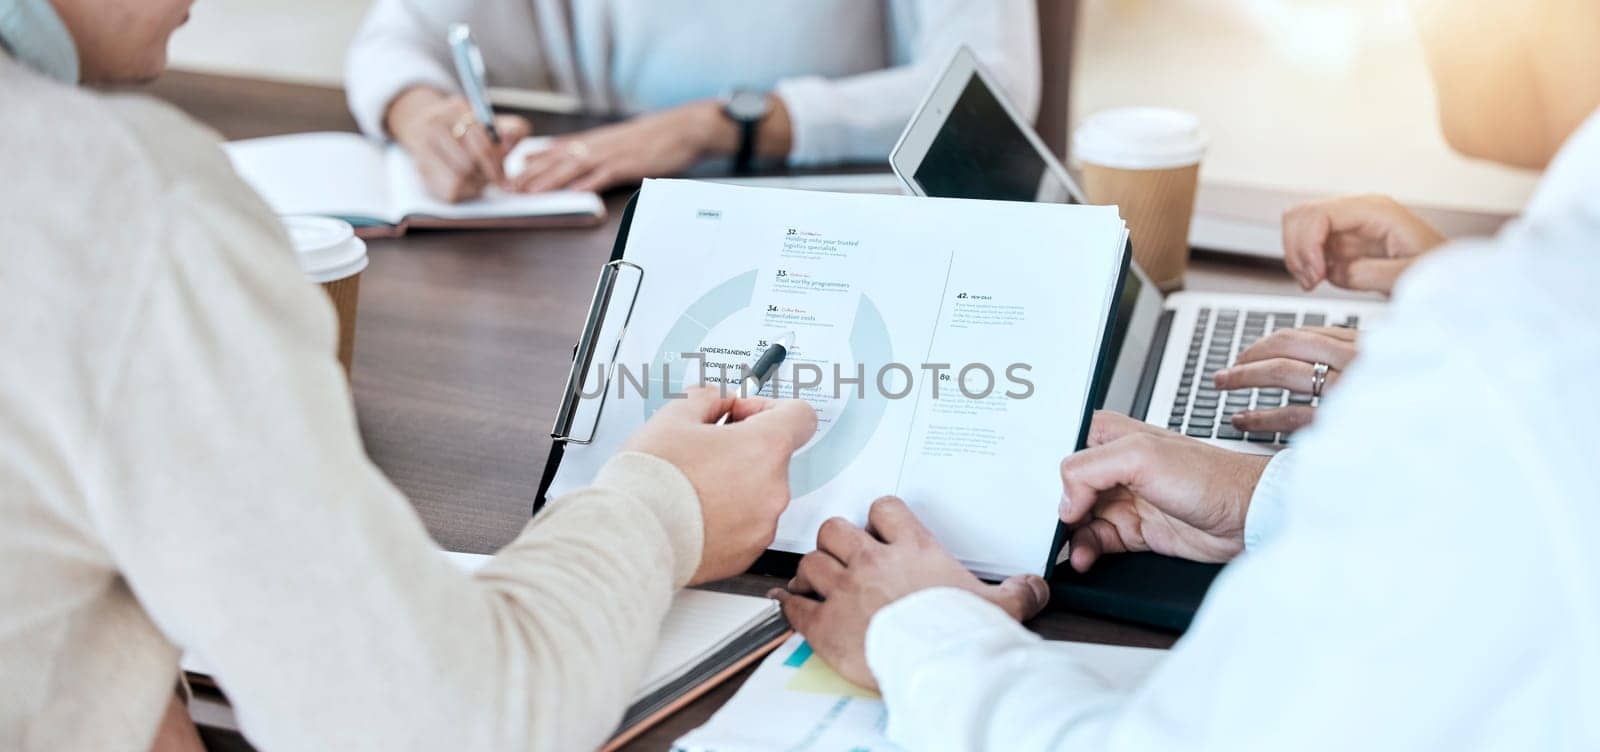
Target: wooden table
column 463, row 341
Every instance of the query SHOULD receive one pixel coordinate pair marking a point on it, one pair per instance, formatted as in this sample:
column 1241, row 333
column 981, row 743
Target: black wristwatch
column 746, row 108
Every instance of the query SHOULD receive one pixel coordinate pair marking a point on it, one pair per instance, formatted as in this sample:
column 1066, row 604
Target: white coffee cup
column 331, row 255
column 1146, row 160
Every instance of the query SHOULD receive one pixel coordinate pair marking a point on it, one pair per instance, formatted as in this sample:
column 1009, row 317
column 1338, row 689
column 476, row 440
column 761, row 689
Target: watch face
column 747, row 105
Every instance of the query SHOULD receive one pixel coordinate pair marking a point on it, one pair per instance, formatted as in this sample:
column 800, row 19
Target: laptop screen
column 979, row 153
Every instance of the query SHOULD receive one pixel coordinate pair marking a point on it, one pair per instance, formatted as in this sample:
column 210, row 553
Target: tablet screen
column 980, row 153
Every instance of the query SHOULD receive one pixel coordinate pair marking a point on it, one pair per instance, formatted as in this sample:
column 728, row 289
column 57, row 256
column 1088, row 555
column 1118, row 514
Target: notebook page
column 411, row 198
column 331, row 174
column 699, row 623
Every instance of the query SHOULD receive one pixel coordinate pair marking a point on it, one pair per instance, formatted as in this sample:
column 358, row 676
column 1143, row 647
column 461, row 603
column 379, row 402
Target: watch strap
column 744, row 159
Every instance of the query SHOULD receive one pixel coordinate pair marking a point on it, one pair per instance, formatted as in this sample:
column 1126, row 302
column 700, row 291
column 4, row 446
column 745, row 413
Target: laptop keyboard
column 1205, row 412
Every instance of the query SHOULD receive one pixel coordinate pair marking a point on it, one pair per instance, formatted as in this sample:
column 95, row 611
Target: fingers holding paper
column 856, row 572
column 740, row 470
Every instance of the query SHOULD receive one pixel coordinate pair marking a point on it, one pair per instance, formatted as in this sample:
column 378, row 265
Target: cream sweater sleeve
column 230, row 486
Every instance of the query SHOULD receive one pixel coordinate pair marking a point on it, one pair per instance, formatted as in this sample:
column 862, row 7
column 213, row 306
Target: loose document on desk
column 795, row 702
column 947, row 346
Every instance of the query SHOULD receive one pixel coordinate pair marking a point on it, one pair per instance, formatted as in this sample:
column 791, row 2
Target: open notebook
column 706, row 638
column 376, row 187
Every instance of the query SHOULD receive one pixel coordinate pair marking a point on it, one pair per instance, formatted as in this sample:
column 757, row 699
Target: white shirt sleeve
column 859, row 117
column 1265, row 516
column 1392, row 602
column 401, row 44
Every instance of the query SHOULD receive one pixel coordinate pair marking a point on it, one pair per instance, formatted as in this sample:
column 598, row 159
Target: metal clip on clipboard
column 583, row 355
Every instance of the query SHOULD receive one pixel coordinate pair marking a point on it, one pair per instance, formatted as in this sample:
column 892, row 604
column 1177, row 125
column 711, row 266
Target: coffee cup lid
column 328, row 248
column 1140, row 138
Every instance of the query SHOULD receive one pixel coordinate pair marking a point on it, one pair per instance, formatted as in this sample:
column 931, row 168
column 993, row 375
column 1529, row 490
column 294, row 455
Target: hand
column 1285, row 359
column 1139, row 488
column 646, row 146
column 739, row 470
column 1355, row 242
column 857, row 572
column 452, row 150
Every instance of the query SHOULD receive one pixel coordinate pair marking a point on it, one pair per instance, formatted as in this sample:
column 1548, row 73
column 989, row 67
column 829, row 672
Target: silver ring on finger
column 1319, row 378
column 463, row 124
column 578, row 150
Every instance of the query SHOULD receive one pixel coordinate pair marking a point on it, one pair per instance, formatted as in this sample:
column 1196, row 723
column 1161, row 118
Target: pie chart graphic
column 864, row 406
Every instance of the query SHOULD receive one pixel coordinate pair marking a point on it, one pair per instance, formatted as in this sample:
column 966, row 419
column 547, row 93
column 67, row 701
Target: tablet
column 967, row 141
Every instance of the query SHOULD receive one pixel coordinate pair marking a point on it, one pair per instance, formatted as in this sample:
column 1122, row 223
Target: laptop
column 966, row 140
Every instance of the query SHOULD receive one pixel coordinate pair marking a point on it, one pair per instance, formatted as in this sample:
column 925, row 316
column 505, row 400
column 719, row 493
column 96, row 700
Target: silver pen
column 469, row 68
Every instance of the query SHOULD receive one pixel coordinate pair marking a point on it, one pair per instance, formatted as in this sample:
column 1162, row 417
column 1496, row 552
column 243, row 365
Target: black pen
column 764, row 368
column 766, row 365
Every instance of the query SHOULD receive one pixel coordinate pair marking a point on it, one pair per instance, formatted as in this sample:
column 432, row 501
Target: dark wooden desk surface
column 462, row 345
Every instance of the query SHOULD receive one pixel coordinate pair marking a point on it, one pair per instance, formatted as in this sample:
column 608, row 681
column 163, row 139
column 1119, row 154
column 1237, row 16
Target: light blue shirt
column 850, row 72
column 1433, row 581
column 33, row 33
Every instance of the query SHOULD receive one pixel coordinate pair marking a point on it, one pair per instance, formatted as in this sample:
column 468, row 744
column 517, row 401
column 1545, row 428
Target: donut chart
column 841, row 442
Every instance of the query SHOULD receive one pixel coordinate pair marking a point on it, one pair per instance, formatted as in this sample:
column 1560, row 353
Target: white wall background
column 293, row 40
column 1322, row 96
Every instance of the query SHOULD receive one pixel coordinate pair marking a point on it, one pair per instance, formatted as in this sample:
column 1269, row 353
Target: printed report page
column 946, row 345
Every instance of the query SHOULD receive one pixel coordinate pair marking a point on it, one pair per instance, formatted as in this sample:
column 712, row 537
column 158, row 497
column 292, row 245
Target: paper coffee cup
column 1146, row 160
column 332, row 256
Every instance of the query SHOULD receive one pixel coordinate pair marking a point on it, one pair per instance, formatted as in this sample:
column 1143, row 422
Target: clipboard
column 777, row 563
column 583, row 354
column 565, row 429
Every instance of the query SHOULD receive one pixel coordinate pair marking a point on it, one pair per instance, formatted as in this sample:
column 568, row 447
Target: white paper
column 868, row 282
column 331, row 174
column 795, row 702
column 410, row 197
column 849, row 182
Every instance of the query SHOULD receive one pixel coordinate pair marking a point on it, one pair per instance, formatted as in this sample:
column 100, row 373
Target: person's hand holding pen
column 735, row 451
column 455, row 154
